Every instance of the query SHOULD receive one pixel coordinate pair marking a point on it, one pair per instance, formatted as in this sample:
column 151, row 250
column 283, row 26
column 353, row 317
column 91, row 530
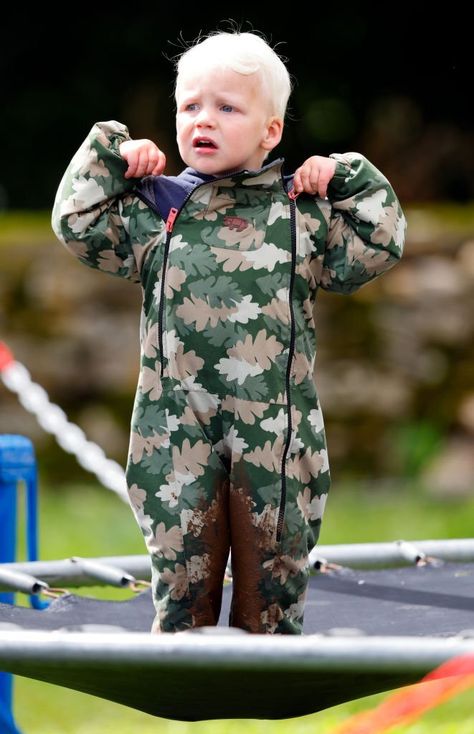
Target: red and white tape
column 405, row 706
column 53, row 419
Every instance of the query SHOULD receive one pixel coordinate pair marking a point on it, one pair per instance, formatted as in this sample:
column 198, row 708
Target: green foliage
column 26, row 226
column 415, row 444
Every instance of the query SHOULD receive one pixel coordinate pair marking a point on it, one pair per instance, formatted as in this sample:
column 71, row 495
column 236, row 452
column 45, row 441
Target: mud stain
column 214, row 543
column 251, row 544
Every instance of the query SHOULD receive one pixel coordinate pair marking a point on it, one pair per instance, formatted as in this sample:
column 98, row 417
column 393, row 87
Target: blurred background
column 395, row 368
column 395, row 361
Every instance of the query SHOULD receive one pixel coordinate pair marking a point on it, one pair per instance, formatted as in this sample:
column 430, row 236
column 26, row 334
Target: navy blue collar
column 166, row 192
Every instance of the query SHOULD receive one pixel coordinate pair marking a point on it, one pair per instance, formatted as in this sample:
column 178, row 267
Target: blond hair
column 245, row 53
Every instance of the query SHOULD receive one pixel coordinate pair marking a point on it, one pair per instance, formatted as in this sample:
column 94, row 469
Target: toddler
column 227, row 449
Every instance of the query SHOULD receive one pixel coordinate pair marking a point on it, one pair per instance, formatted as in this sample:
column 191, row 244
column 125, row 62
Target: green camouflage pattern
column 227, row 435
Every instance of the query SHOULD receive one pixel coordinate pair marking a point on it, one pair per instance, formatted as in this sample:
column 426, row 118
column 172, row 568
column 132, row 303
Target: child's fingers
column 314, row 179
column 142, row 163
column 160, row 164
column 322, row 185
column 143, row 158
column 310, row 179
column 325, row 176
column 153, row 158
column 297, row 185
column 314, row 176
column 132, row 160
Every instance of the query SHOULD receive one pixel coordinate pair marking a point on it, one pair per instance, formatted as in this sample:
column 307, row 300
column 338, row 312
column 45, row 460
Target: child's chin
column 209, row 162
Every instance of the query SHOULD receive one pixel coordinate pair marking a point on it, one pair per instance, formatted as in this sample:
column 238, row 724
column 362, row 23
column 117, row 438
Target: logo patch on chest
column 238, row 223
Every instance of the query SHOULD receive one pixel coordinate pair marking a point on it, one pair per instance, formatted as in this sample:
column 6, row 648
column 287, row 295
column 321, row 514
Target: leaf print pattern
column 227, row 444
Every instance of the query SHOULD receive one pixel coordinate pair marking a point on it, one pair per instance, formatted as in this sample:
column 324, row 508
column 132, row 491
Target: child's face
column 230, row 110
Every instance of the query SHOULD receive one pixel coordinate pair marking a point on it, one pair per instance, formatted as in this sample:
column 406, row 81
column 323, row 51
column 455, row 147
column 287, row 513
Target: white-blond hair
column 245, row 53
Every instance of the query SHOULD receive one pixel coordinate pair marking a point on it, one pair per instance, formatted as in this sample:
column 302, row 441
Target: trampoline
column 377, row 616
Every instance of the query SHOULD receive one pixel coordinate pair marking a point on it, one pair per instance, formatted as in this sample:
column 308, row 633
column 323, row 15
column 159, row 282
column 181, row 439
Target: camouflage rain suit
column 227, row 447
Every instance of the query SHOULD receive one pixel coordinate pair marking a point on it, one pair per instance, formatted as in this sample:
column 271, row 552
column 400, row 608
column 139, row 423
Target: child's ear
column 274, row 131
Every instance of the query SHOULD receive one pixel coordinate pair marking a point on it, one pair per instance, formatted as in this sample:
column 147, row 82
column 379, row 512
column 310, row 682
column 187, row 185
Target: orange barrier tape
column 407, row 705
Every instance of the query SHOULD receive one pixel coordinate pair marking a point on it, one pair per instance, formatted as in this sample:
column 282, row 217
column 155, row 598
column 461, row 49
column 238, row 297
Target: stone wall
column 395, row 364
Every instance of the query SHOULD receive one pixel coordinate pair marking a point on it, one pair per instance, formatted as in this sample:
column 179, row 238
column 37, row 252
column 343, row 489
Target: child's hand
column 143, row 158
column 314, row 175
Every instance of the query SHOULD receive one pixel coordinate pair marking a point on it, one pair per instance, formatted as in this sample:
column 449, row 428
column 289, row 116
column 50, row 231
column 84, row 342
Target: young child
column 227, row 447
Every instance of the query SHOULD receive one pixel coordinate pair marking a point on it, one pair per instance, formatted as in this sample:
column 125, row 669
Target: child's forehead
column 217, row 80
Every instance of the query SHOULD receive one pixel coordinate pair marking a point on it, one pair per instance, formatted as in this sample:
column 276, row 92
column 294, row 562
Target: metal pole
column 357, row 555
column 395, row 553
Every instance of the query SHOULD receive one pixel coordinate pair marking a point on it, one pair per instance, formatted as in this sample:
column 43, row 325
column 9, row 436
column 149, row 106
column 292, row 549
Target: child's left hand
column 314, row 175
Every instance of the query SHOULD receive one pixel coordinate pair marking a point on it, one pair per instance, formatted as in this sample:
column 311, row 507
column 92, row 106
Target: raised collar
column 268, row 176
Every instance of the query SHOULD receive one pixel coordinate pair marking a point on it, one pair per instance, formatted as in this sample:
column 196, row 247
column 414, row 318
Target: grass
column 84, row 520
column 25, row 226
column 74, row 713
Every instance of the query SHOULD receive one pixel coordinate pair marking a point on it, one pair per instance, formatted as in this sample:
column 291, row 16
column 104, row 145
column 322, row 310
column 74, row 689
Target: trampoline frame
column 305, row 673
column 31, row 577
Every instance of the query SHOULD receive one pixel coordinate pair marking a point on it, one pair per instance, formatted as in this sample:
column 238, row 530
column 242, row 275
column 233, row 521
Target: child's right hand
column 144, row 158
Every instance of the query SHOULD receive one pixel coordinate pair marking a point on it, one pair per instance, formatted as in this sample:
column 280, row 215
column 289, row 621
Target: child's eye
column 227, row 107
column 190, row 105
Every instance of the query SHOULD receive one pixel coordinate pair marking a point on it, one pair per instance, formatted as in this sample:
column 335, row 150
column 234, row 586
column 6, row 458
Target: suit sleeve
column 366, row 227
column 93, row 204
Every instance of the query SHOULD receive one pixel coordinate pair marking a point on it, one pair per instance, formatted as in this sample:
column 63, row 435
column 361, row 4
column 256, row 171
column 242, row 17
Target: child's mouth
column 204, row 144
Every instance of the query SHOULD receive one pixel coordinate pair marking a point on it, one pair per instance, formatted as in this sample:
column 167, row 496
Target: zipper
column 170, row 222
column 292, row 196
column 173, row 213
column 172, row 216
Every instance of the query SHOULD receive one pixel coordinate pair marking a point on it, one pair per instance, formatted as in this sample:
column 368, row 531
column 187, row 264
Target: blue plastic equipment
column 17, row 464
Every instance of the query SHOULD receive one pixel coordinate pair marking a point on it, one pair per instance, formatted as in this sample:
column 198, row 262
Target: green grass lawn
column 85, row 520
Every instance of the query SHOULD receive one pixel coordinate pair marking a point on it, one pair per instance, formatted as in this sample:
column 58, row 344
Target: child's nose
column 205, row 117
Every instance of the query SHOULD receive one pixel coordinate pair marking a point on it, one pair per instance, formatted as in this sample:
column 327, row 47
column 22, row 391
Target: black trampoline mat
column 420, row 601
